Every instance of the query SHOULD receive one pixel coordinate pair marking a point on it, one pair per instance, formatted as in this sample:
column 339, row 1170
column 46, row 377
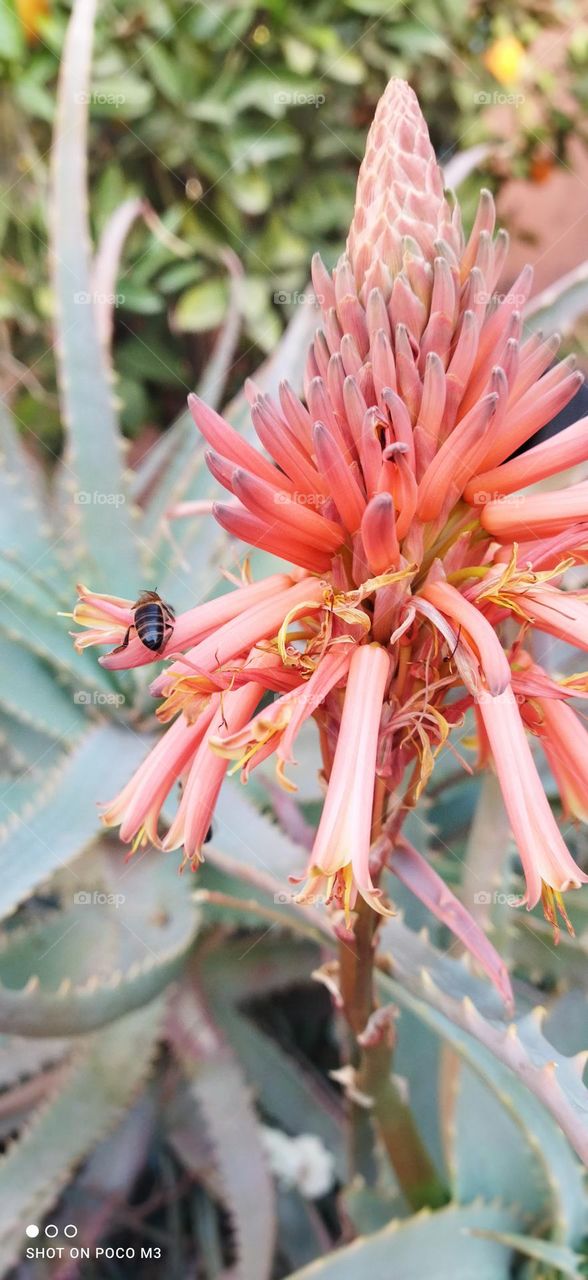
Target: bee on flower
column 415, row 579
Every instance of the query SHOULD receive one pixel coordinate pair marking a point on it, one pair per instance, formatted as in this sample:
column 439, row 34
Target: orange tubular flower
column 339, row 865
column 565, row 742
column 390, row 491
column 549, row 867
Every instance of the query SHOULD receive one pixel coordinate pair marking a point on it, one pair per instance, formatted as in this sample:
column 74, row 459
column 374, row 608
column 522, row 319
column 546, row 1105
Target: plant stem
column 415, row 1172
column 372, row 1063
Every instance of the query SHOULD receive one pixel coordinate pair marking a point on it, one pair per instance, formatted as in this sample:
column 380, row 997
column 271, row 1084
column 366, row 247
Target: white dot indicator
column 32, row 1230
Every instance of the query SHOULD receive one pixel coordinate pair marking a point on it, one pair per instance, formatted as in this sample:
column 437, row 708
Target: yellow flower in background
column 31, row 12
column 503, row 59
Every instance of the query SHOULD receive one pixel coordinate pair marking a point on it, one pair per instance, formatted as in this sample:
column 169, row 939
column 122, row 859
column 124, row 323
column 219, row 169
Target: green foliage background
column 243, row 127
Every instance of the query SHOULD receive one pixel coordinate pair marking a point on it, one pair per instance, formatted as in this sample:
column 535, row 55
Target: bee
column 153, row 622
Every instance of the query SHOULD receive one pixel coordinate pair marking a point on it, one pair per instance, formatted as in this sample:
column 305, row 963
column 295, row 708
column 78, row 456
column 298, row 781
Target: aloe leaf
column 106, row 1180
column 18, row 795
column 301, row 1231
column 65, row 819
column 559, row 305
column 286, row 361
column 463, row 163
column 74, row 1011
column 434, row 1244
column 29, row 693
column 255, row 970
column 29, row 586
column 503, row 1136
column 222, row 1097
column 100, row 512
column 26, row 535
column 26, row 748
column 102, row 1082
column 290, row 1092
column 122, row 938
column 372, row 1207
column 505, row 1139
column 460, row 1008
column 416, row 1062
column 19, row 1103
column 107, row 262
column 152, row 467
column 21, row 1057
column 416, row 873
column 41, row 632
column 556, row 1256
column 252, row 838
column 532, row 947
column 212, row 384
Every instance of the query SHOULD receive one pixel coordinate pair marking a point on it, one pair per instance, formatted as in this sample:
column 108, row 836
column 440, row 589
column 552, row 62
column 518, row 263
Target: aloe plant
column 131, row 1038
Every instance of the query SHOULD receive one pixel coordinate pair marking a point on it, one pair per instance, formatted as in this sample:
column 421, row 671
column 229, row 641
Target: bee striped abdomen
column 150, row 625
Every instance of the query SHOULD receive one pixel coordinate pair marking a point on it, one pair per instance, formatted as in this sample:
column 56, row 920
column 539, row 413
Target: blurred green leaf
column 202, row 307
column 12, row 43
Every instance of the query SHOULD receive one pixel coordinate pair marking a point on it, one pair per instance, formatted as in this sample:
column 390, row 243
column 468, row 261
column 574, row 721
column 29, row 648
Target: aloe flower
column 418, row 570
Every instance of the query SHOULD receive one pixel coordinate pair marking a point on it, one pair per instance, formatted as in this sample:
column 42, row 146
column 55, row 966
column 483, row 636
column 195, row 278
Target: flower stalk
column 376, row 1100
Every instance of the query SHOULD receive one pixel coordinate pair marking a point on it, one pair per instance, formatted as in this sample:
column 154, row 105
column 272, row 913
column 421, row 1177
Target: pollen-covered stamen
column 482, row 635
column 274, row 729
column 552, row 903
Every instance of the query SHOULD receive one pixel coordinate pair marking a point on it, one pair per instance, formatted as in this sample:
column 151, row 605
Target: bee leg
column 168, row 632
column 169, row 612
column 121, row 647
